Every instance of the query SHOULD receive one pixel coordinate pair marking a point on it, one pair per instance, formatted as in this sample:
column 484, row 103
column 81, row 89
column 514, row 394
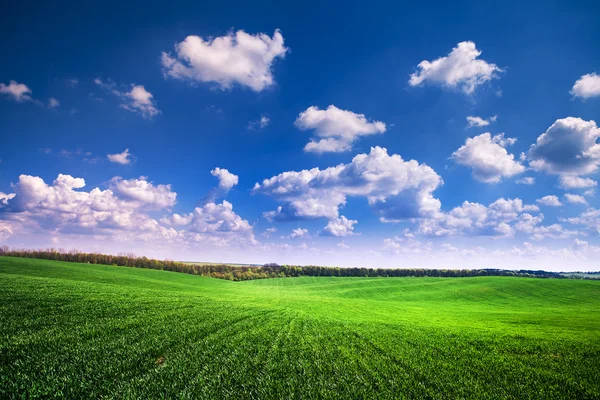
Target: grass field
column 89, row 331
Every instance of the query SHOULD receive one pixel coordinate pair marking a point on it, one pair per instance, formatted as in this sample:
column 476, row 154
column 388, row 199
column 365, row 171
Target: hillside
column 78, row 330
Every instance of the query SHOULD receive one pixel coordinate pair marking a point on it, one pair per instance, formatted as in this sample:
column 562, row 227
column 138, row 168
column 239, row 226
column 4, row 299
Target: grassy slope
column 77, row 330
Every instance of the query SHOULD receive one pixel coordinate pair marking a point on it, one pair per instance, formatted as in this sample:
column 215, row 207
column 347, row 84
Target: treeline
column 241, row 273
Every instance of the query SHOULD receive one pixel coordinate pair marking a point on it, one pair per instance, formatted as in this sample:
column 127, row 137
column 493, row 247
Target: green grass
column 90, row 331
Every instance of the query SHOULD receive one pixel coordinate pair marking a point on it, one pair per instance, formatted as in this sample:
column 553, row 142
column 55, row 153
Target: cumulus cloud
column 479, row 122
column 298, row 233
column 137, row 100
column 227, row 180
column 311, row 205
column 61, row 208
column 395, row 189
column 145, row 194
column 141, row 102
column 17, row 91
column 550, row 201
column 460, row 69
column 486, row 155
column 568, row 147
column 341, row 226
column 587, row 86
column 575, row 182
column 123, row 158
column 234, row 58
column 526, row 180
column 510, row 207
column 502, row 218
column 211, row 217
column 214, row 223
column 335, row 130
column 575, row 199
column 119, row 212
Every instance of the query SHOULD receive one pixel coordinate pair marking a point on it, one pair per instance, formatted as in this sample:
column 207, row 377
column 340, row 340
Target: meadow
column 70, row 330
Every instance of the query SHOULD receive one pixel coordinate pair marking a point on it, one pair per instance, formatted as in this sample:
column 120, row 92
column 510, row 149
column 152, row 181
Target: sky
column 375, row 134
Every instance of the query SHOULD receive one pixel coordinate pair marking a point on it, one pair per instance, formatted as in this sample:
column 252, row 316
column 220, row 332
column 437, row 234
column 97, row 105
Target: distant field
column 218, row 263
column 88, row 331
column 585, row 275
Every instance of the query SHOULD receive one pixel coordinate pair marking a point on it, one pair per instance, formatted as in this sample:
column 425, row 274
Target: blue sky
column 262, row 91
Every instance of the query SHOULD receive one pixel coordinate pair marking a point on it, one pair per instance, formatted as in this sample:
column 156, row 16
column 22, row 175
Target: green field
column 90, row 331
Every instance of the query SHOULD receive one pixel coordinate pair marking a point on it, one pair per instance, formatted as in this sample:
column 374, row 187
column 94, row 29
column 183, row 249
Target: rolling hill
column 78, row 330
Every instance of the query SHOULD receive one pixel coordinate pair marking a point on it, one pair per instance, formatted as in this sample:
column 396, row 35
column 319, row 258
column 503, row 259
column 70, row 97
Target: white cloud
column 587, row 86
column 310, row 205
column 526, row 180
column 298, row 233
column 53, row 102
column 235, row 58
column 144, row 193
column 227, row 180
column 511, row 207
column 568, row 147
column 395, row 188
column 550, row 201
column 213, row 217
column 488, row 158
column 177, row 219
column 137, row 100
column 575, row 199
column 214, row 224
column 60, row 208
column 120, row 158
column 120, row 213
column 262, row 123
column 504, row 229
column 460, row 69
column 502, row 218
column 18, row 91
column 341, row 226
column 575, row 182
column 589, row 218
column 336, row 130
column 141, row 102
column 530, row 225
column 475, row 219
column 479, row 122
column 5, row 197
